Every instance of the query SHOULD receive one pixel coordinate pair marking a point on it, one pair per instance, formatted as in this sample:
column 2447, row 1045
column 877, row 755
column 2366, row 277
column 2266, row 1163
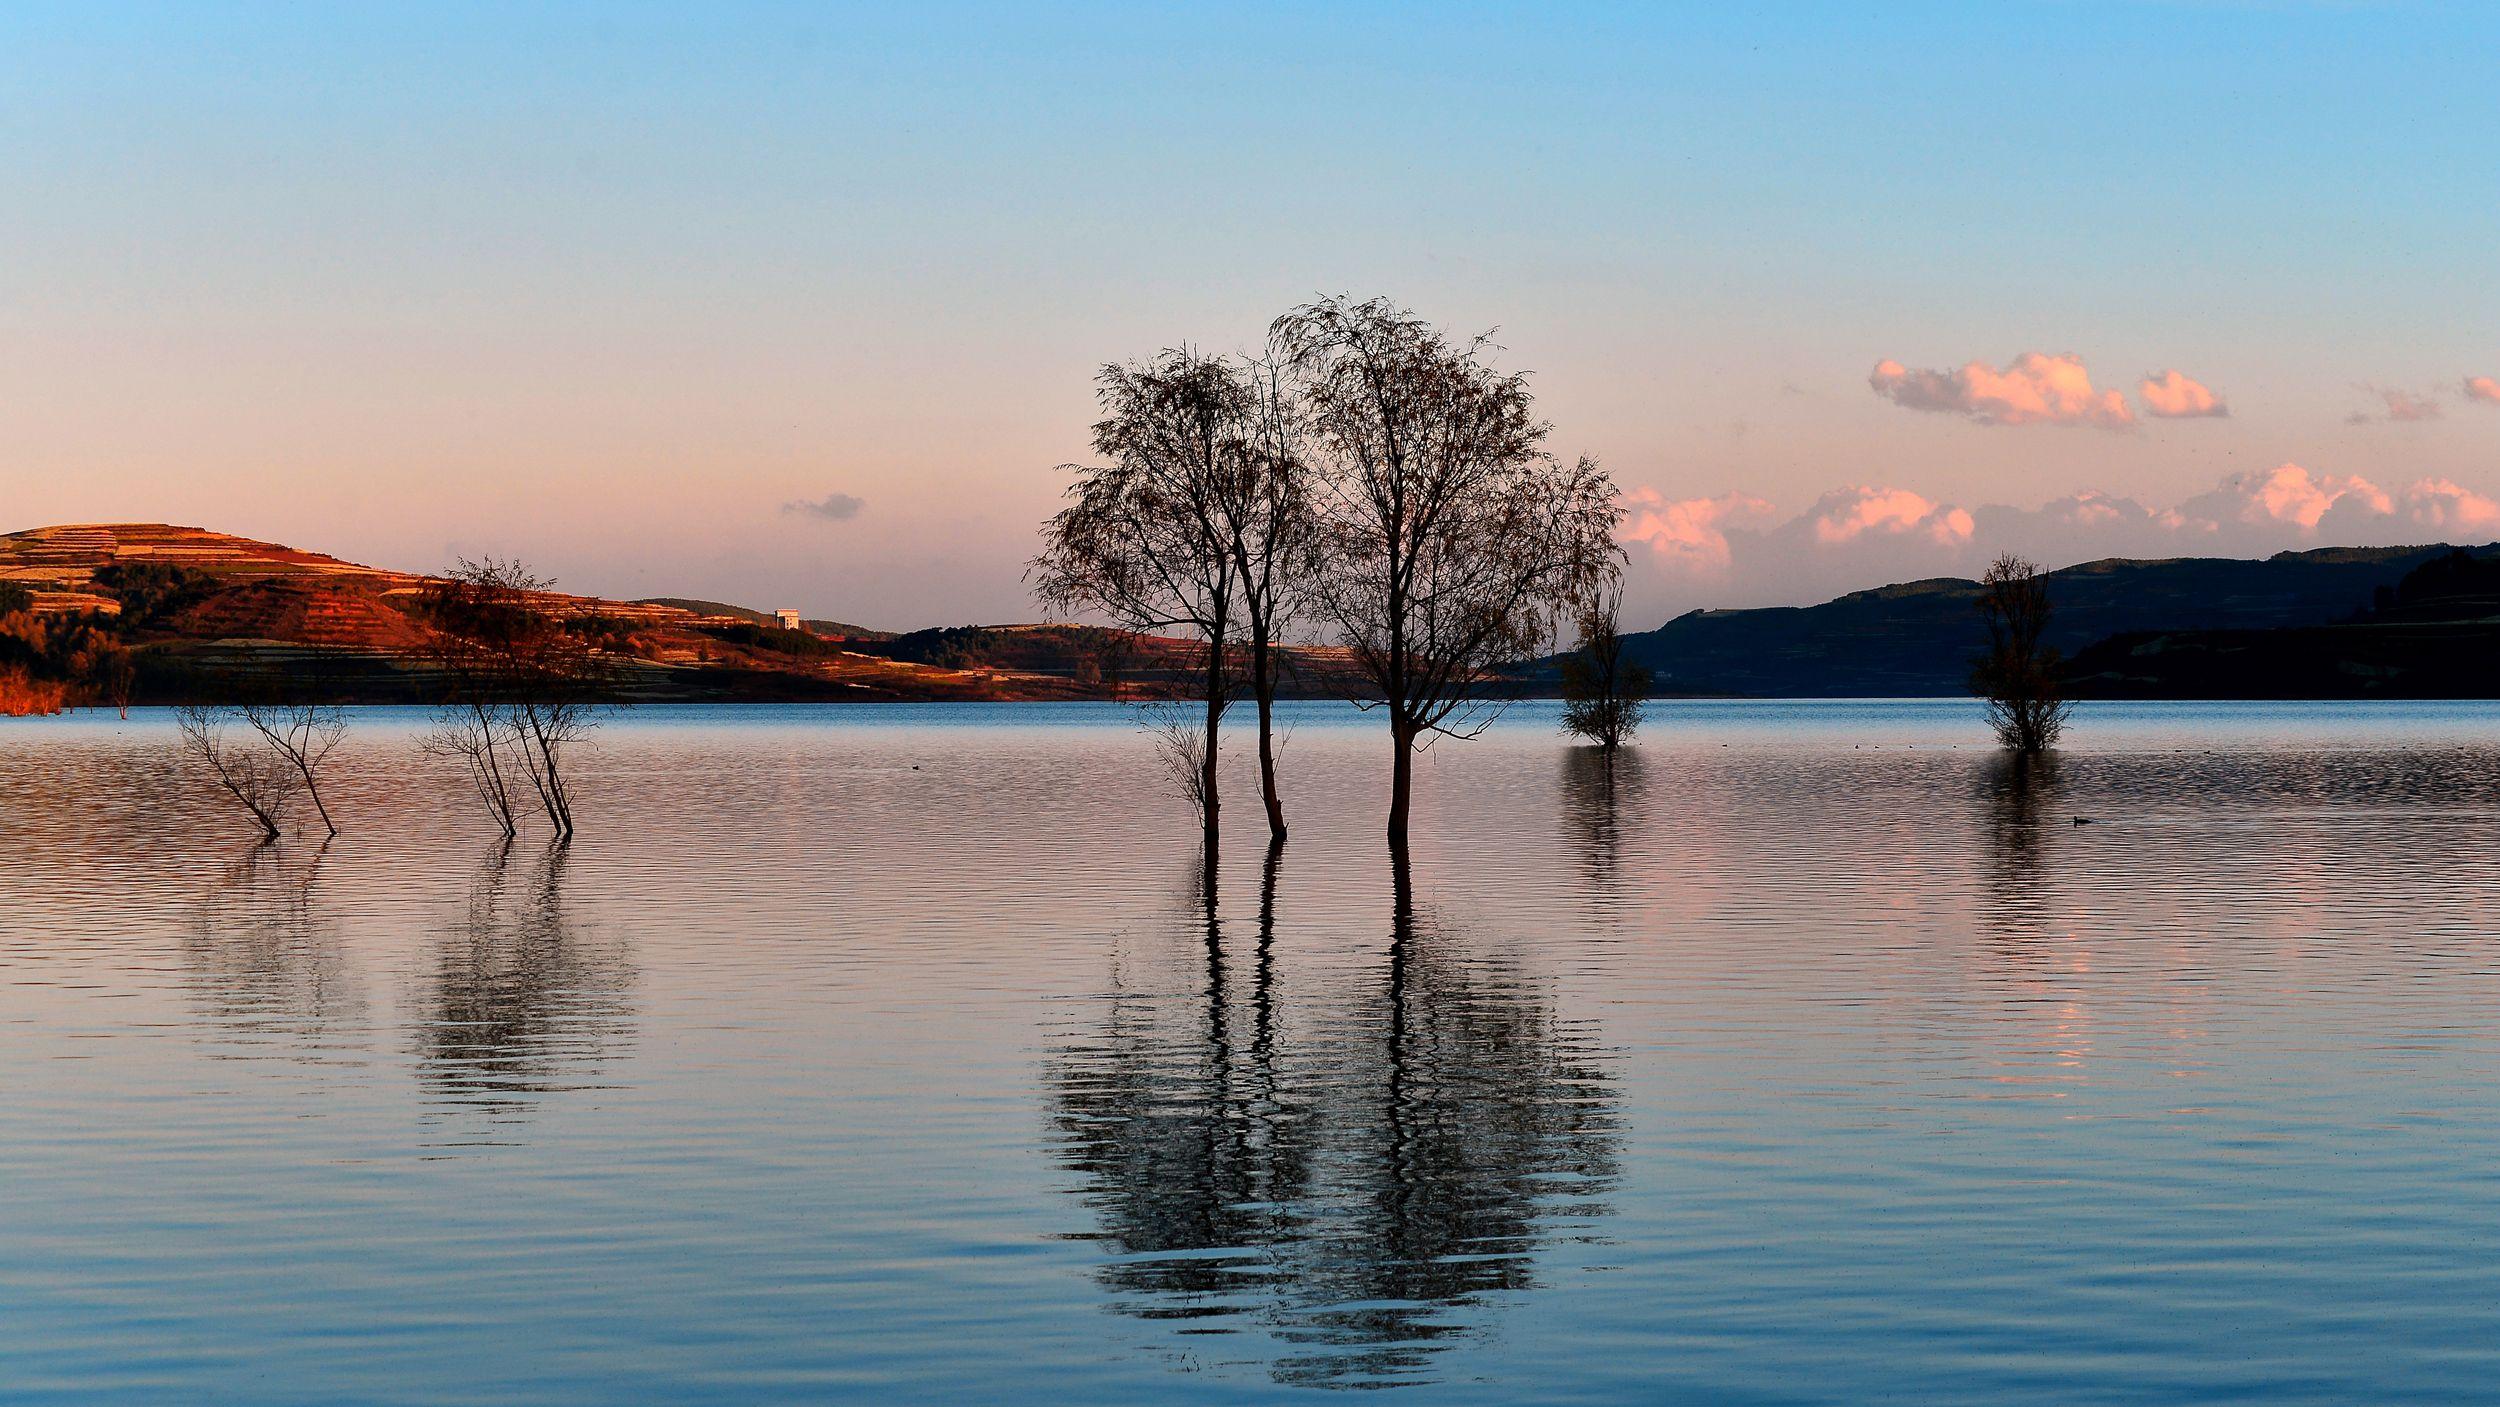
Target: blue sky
column 608, row 286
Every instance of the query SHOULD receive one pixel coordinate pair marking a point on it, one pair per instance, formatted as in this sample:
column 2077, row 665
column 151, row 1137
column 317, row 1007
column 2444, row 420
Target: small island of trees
column 1367, row 472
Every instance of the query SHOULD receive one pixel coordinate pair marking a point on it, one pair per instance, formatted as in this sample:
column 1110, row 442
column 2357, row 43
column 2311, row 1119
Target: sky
column 800, row 305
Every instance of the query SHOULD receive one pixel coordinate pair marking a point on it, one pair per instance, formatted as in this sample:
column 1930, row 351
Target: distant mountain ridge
column 2433, row 635
column 1917, row 638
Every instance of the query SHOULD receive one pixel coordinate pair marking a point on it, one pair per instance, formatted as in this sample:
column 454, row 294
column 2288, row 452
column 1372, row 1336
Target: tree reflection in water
column 521, row 1003
column 1356, row 1186
column 2021, row 794
column 1600, row 793
column 263, row 956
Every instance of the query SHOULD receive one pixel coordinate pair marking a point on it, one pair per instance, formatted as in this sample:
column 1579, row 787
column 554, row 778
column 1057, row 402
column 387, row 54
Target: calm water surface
column 908, row 1054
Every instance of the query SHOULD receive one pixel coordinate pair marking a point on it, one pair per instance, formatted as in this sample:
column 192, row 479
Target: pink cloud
column 2444, row 505
column 2482, row 388
column 2296, row 496
column 1844, row 514
column 2174, row 395
column 2091, row 508
column 2402, row 405
column 2036, row 389
column 1691, row 533
column 1735, row 551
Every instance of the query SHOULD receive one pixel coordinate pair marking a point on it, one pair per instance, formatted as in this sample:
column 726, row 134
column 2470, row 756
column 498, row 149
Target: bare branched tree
column 478, row 736
column 1142, row 541
column 1602, row 690
column 1263, row 504
column 1181, row 741
column 257, row 779
column 1448, row 538
column 520, row 687
column 2018, row 673
column 302, row 736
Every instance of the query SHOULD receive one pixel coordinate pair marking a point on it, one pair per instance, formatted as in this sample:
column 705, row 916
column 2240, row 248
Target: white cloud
column 2036, row 389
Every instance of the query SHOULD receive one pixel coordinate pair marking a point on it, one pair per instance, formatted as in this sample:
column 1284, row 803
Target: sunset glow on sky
column 799, row 305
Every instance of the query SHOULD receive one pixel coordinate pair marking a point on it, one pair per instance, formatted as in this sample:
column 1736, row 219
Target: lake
column 910, row 1054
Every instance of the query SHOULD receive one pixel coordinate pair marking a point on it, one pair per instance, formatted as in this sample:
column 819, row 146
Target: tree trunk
column 1401, row 780
column 1263, row 682
column 1215, row 720
column 313, row 790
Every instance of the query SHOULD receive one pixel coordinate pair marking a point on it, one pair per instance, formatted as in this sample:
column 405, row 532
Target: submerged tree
column 520, row 688
column 301, row 736
column 478, row 735
column 1447, row 537
column 1143, row 542
column 1602, row 690
column 2018, row 673
column 254, row 777
column 1263, row 506
column 1181, row 742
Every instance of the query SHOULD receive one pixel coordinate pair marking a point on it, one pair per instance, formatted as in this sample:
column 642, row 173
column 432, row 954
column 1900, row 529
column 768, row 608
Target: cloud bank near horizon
column 1738, row 550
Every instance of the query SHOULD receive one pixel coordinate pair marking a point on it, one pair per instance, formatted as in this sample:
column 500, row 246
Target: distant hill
column 203, row 615
column 1917, row 638
column 2433, row 634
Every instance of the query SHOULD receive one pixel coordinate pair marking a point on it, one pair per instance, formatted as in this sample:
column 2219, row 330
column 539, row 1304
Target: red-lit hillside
column 205, row 613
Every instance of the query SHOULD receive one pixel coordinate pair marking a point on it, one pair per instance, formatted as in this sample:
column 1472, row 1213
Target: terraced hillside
column 206, row 614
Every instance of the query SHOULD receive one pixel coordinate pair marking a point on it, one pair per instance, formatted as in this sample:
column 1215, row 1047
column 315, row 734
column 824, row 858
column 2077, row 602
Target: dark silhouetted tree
column 1602, row 690
column 519, row 688
column 1143, row 540
column 1263, row 507
column 2018, row 673
column 1447, row 537
column 302, row 736
column 253, row 776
